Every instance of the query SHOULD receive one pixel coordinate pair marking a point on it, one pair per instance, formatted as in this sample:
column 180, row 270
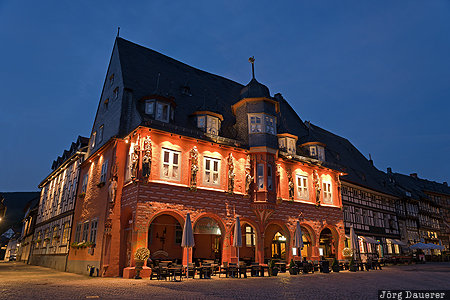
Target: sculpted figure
column 290, row 185
column 316, row 183
column 248, row 176
column 231, row 173
column 134, row 161
column 194, row 167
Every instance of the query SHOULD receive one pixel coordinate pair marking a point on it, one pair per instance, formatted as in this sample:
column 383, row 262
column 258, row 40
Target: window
column 85, row 231
column 55, row 236
column 260, row 174
column 116, row 93
column 85, row 182
column 162, row 112
column 100, row 134
column 212, row 166
column 312, row 151
column 212, row 125
column 320, row 153
column 255, row 124
column 327, row 192
column 104, row 169
column 78, row 233
column 94, row 135
column 170, row 167
column 93, row 231
column 270, row 124
column 150, row 107
column 250, row 236
column 106, row 103
column 46, row 238
column 38, row 239
column 65, row 236
column 269, row 177
column 178, row 234
column 201, row 122
column 302, row 187
column 111, row 80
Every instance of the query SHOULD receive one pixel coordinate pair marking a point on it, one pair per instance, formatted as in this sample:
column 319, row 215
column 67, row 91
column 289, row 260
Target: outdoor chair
column 255, row 269
column 224, row 269
column 232, row 270
column 178, row 271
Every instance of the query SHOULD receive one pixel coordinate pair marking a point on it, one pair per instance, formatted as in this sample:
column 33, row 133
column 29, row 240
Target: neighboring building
column 169, row 139
column 369, row 202
column 56, row 206
column 26, row 237
column 427, row 205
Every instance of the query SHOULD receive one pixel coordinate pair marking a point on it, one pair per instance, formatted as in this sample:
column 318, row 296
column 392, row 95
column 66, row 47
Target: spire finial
column 118, row 31
column 252, row 61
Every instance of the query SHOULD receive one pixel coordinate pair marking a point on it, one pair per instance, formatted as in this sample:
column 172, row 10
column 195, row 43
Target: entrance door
column 279, row 246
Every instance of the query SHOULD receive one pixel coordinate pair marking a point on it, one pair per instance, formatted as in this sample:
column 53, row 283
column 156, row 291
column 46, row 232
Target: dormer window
column 116, row 93
column 162, row 112
column 261, row 123
column 317, row 151
column 150, row 107
column 208, row 122
column 287, row 142
column 111, row 80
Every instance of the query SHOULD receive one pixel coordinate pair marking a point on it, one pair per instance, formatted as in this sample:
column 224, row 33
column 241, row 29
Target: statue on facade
column 135, row 161
column 194, row 168
column 112, row 190
column 231, row 173
column 248, row 176
column 316, row 182
column 291, row 184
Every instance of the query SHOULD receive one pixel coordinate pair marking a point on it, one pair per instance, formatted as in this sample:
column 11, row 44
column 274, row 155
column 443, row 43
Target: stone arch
column 208, row 244
column 277, row 247
column 328, row 240
column 249, row 250
column 163, row 237
column 307, row 250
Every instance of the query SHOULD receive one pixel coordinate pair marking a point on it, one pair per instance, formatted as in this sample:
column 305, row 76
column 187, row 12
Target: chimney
column 445, row 183
column 389, row 170
column 413, row 175
column 370, row 159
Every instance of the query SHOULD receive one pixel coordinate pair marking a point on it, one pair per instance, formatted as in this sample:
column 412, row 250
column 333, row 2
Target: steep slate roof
column 417, row 186
column 360, row 170
column 140, row 69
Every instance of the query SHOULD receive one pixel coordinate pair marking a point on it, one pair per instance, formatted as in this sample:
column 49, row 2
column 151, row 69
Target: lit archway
column 328, row 243
column 208, row 240
column 276, row 242
column 164, row 238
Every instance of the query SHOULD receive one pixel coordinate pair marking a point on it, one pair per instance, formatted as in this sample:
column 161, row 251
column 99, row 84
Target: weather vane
column 252, row 61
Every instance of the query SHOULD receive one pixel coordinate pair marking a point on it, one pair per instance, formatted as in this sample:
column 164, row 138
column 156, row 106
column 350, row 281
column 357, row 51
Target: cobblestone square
column 20, row 281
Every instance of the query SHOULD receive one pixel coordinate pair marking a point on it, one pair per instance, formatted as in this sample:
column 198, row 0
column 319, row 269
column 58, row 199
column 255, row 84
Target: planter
column 139, row 265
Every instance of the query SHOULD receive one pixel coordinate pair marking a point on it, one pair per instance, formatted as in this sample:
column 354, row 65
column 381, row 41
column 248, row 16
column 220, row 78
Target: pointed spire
column 252, row 61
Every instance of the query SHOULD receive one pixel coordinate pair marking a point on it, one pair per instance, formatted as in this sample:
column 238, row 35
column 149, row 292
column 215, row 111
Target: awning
column 369, row 240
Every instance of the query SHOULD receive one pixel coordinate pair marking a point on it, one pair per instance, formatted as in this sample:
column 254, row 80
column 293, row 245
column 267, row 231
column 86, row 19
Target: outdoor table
column 263, row 268
column 281, row 266
column 204, row 272
column 173, row 272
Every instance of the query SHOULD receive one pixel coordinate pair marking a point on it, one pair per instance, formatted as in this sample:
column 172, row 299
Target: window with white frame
column 313, row 151
column 260, row 176
column 320, row 153
column 261, row 123
column 269, row 177
column 326, row 187
column 212, row 169
column 93, row 236
column 150, row 107
column 104, row 171
column 302, row 187
column 201, row 123
column 212, row 125
column 270, row 124
column 170, row 164
column 162, row 112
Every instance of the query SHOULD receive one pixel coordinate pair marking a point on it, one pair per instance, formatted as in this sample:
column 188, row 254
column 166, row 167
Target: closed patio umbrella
column 420, row 246
column 298, row 240
column 353, row 240
column 188, row 238
column 237, row 240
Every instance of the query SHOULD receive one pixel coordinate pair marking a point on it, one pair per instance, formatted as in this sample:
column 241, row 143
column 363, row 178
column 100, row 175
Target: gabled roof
column 418, row 186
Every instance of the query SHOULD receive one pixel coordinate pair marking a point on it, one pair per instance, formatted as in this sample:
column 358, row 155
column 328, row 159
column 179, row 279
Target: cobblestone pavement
column 21, row 281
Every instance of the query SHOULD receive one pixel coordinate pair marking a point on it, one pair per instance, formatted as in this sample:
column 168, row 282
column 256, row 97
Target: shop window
column 250, row 236
column 212, row 169
column 170, row 167
column 302, row 187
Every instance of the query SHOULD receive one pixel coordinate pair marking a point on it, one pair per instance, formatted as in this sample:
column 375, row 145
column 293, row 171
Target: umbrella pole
column 187, row 266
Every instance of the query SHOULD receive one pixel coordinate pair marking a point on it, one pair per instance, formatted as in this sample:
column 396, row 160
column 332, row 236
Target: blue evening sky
column 375, row 72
